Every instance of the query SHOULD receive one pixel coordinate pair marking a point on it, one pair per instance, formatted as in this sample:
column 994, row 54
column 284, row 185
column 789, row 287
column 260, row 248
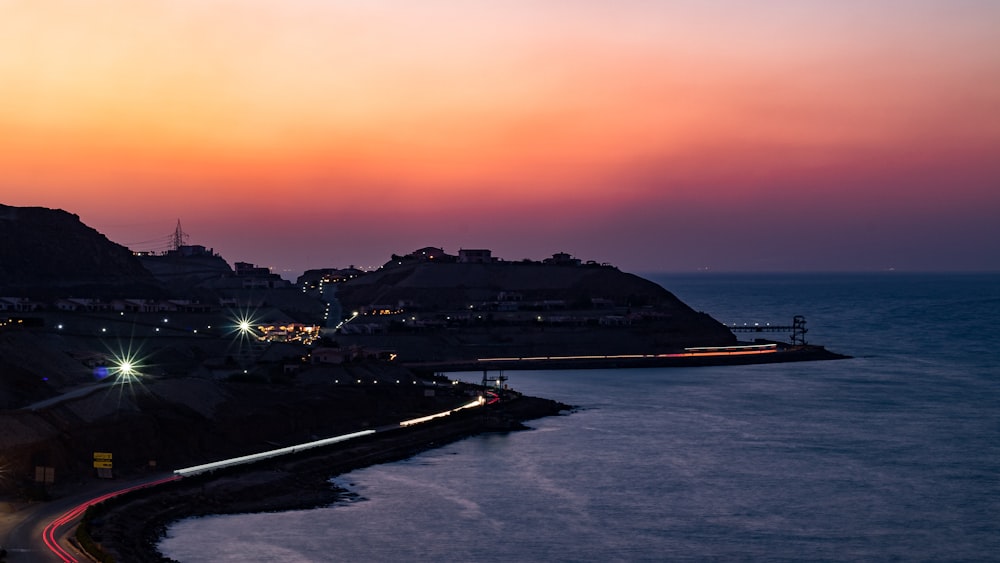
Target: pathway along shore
column 129, row 527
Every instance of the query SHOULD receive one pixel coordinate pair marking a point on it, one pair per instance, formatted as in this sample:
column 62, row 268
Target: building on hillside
column 189, row 306
column 188, row 250
column 430, row 253
column 562, row 259
column 135, row 305
column 315, row 280
column 256, row 277
column 288, row 332
column 20, row 304
column 475, row 256
column 328, row 356
column 248, row 269
column 426, row 254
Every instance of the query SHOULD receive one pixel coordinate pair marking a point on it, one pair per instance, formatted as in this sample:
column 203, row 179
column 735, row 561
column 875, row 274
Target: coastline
column 301, row 481
column 782, row 353
column 129, row 527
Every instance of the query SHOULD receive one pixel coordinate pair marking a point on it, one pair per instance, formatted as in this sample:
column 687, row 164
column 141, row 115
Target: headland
column 172, row 359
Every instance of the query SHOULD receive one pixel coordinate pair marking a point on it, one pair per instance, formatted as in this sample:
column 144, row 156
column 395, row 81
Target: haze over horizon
column 656, row 136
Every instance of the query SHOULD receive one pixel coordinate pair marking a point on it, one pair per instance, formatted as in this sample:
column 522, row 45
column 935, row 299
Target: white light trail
column 477, row 403
column 697, row 351
column 188, row 471
column 194, row 470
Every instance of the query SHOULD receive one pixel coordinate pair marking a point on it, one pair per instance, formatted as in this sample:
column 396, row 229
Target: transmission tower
column 179, row 237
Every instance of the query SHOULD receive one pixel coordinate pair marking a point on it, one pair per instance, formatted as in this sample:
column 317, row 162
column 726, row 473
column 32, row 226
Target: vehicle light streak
column 732, row 348
column 694, row 352
column 49, row 534
column 477, row 403
column 194, row 470
column 719, row 353
column 538, row 358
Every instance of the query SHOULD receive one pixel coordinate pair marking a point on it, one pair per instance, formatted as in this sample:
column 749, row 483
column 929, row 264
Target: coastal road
column 40, row 533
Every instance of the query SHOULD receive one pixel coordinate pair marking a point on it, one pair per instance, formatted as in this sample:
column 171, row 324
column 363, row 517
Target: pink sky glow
column 658, row 136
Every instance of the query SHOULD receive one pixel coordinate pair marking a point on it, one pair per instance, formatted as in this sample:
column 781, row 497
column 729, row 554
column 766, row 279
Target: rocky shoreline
column 129, row 527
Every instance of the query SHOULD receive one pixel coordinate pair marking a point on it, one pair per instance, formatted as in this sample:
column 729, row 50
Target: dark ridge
column 50, row 252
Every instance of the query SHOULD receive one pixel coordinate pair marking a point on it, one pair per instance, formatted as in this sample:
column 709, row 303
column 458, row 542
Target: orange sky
column 310, row 133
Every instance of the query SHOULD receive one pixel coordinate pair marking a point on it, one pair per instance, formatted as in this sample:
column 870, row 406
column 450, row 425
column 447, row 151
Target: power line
column 179, row 236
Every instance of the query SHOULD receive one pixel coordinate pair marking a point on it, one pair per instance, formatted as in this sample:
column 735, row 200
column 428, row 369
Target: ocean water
column 891, row 455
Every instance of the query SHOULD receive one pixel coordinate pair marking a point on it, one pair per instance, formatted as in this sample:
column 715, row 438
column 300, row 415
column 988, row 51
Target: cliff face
column 46, row 252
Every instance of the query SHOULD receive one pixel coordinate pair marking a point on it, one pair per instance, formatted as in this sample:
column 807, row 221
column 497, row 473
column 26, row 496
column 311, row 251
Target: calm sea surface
column 894, row 454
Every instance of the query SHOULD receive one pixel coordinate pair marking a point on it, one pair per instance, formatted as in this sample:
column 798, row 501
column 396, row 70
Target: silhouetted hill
column 50, row 252
column 187, row 272
column 436, row 311
column 442, row 286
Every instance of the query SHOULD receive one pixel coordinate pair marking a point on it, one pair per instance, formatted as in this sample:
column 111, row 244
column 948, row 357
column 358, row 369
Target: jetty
column 797, row 329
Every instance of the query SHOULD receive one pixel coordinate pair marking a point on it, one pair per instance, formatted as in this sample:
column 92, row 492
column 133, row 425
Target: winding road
column 41, row 533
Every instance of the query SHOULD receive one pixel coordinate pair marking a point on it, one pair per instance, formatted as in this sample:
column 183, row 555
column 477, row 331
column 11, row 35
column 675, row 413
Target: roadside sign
column 45, row 474
column 102, row 455
column 102, row 464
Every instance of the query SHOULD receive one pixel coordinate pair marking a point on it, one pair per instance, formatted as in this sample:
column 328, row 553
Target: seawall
column 130, row 526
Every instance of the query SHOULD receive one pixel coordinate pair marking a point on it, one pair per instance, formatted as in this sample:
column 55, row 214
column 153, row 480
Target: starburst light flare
column 244, row 324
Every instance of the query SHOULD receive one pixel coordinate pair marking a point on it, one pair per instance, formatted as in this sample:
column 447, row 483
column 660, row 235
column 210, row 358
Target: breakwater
column 128, row 527
column 724, row 356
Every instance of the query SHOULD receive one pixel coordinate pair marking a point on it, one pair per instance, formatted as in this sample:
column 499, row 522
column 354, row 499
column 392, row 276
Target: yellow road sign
column 102, row 464
column 102, row 455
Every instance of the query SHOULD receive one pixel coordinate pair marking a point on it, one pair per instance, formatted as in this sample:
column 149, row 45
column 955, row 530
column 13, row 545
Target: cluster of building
column 288, row 332
column 317, row 280
column 478, row 256
column 94, row 305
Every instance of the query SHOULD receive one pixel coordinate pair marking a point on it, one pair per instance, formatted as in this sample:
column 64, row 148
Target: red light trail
column 694, row 352
column 49, row 535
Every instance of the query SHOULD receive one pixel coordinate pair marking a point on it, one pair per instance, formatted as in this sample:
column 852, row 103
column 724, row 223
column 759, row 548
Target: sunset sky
column 654, row 135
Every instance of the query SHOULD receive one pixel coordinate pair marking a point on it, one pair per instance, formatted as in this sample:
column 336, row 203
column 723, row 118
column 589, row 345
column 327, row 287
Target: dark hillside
column 49, row 252
column 438, row 286
column 437, row 311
